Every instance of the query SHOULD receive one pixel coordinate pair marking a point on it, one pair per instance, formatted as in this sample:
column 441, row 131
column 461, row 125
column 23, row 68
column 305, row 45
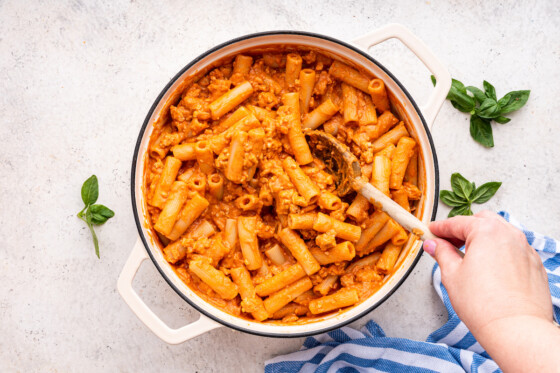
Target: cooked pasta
column 245, row 213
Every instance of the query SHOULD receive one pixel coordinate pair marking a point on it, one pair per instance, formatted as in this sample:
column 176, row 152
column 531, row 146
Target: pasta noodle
column 241, row 66
column 234, row 170
column 350, row 103
column 301, row 221
column 302, row 182
column 349, row 76
column 214, row 278
column 299, row 250
column 306, row 82
column 320, row 115
column 340, row 299
column 347, row 231
column 192, row 210
column 376, row 89
column 344, row 251
column 216, row 186
column 204, row 157
column 172, row 208
column 401, row 157
column 246, row 229
column 293, row 68
column 230, row 99
column 297, row 140
column 276, row 255
column 168, row 175
column 250, row 301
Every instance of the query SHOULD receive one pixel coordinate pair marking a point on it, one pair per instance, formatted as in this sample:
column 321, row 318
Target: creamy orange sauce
column 263, row 189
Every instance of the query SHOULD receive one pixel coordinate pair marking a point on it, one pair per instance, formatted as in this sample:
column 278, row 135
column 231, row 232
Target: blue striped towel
column 451, row 348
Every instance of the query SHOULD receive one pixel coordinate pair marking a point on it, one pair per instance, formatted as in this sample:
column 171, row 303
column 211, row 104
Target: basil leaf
column 461, row 100
column 90, row 190
column 458, row 96
column 478, row 94
column 93, row 214
column 457, row 85
column 486, row 191
column 513, row 101
column 100, row 214
column 502, row 120
column 460, row 210
column 481, row 131
column 451, row 199
column 489, row 90
column 461, row 186
column 488, row 109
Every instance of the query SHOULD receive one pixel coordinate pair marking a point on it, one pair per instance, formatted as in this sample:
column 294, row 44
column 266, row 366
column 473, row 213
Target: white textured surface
column 78, row 79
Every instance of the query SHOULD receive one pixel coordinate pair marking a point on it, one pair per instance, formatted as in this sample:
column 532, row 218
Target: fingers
column 487, row 214
column 457, row 227
column 455, row 242
column 444, row 253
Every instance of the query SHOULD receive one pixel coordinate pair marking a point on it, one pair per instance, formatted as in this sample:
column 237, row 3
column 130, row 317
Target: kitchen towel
column 451, row 348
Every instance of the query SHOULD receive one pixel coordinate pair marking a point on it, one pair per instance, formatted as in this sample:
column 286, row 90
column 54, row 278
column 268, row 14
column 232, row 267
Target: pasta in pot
column 248, row 217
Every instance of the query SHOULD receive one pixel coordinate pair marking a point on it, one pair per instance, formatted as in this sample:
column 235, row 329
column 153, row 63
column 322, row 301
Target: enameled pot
column 355, row 53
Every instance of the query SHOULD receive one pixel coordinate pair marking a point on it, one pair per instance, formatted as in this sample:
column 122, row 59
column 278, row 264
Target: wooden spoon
column 348, row 176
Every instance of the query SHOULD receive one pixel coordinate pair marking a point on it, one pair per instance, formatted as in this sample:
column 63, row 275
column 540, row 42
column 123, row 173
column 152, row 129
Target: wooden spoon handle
column 398, row 213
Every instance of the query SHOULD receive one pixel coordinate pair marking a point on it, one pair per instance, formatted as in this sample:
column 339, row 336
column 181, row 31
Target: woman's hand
column 500, row 288
column 500, row 276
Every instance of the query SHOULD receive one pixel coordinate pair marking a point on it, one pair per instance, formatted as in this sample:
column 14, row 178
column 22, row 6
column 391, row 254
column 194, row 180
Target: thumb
column 444, row 253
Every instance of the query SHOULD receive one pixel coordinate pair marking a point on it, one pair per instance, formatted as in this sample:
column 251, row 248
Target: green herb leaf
column 481, row 131
column 90, row 190
column 100, row 214
column 460, row 210
column 93, row 214
column 457, row 85
column 502, row 120
column 488, row 109
column 478, row 94
column 461, row 186
column 486, row 191
column 513, row 101
column 451, row 199
column 489, row 89
column 459, row 97
column 465, row 192
column 462, row 104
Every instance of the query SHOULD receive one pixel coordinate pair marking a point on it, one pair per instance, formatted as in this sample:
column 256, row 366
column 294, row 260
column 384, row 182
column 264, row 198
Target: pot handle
column 424, row 54
column 145, row 314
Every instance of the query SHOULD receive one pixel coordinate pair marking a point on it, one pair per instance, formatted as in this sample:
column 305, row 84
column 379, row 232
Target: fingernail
column 430, row 247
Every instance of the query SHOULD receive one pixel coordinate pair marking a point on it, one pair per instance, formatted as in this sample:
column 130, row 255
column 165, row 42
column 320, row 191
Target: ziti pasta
column 248, row 218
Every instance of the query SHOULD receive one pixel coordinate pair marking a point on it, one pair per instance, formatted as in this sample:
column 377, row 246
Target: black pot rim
column 138, row 219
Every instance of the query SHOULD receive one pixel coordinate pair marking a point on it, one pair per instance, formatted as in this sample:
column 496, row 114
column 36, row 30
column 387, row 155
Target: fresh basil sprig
column 464, row 193
column 484, row 107
column 93, row 214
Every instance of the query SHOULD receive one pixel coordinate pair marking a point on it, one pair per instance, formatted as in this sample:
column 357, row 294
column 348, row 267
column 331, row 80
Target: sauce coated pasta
column 248, row 217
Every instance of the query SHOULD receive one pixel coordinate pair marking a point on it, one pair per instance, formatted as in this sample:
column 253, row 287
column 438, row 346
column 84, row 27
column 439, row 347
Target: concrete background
column 77, row 81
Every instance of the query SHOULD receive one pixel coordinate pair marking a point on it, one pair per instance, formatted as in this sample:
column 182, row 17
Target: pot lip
column 139, row 221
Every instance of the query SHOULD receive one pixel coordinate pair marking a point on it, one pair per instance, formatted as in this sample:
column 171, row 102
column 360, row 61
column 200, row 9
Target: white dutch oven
column 419, row 121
